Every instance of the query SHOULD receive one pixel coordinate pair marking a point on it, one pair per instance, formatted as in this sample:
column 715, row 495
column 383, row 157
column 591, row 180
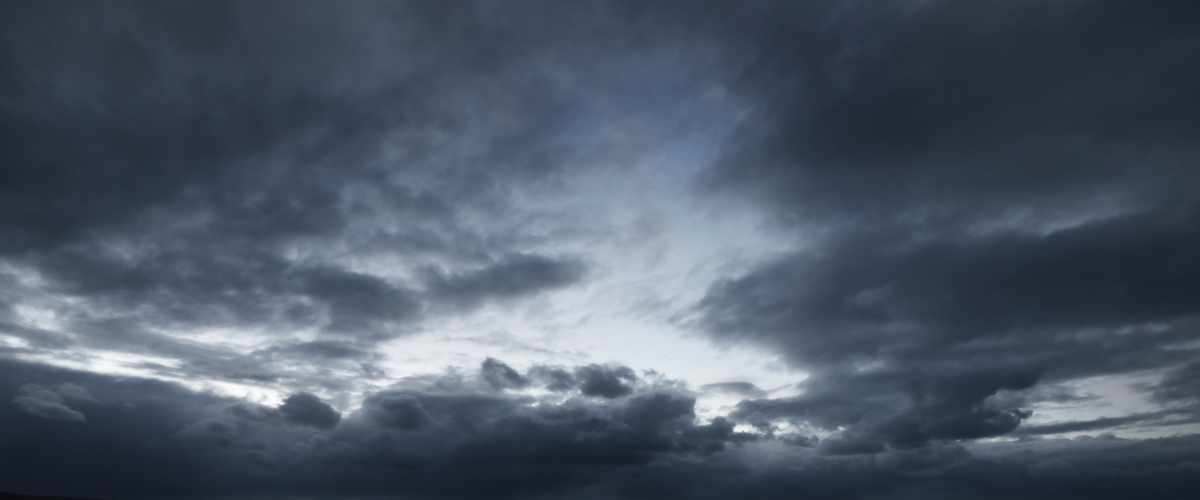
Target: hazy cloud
column 605, row 381
column 37, row 400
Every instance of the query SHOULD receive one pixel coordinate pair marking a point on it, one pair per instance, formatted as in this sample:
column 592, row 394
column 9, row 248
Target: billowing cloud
column 159, row 440
column 219, row 445
column 616, row 249
column 306, row 409
column 998, row 207
column 605, row 381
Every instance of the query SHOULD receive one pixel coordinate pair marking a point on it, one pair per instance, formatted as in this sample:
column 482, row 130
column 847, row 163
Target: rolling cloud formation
column 242, row 246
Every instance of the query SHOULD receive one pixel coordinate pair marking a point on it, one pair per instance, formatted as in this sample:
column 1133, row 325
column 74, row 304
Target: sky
column 600, row 249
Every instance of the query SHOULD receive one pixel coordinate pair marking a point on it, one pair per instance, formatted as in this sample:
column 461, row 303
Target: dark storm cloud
column 604, row 381
column 995, row 199
column 939, row 328
column 953, row 111
column 998, row 195
column 501, row 376
column 174, row 167
column 148, row 439
column 359, row 303
column 554, row 378
column 151, row 439
column 306, row 409
column 397, row 412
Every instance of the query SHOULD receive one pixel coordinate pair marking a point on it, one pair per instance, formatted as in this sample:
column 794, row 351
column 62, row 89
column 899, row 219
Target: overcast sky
column 600, row 249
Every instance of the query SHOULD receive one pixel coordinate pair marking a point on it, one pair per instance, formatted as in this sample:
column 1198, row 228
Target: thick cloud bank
column 148, row 439
column 1004, row 192
column 318, row 249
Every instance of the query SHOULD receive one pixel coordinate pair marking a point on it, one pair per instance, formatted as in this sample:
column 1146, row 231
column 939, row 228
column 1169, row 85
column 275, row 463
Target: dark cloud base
column 1004, row 196
column 149, row 439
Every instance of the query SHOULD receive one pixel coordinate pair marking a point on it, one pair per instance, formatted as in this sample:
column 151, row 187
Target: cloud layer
column 318, row 249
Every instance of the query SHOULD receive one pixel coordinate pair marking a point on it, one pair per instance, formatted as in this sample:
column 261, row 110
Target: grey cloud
column 799, row 440
column 320, row 349
column 501, row 376
column 218, row 431
column 398, row 411
column 576, row 432
column 1180, row 384
column 359, row 303
column 37, row 400
column 1103, row 423
column 744, row 389
column 156, row 440
column 512, row 276
column 1106, row 274
column 1008, row 304
column 991, row 198
column 554, row 378
column 36, row 336
column 897, row 408
column 306, row 409
column 605, row 381
column 182, row 167
column 72, row 391
column 956, row 111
